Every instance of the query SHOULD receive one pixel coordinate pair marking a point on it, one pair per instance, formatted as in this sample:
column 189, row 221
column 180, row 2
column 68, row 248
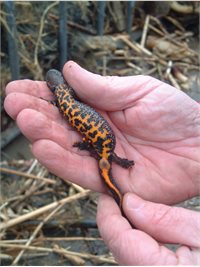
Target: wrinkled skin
column 155, row 125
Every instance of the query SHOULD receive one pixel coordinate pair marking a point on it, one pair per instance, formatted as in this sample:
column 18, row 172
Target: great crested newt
column 98, row 137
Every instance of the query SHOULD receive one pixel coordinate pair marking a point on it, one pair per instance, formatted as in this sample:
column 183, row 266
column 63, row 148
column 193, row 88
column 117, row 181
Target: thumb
column 108, row 93
column 164, row 223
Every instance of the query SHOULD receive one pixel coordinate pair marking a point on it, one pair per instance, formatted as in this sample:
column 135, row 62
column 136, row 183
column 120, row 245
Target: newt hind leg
column 125, row 163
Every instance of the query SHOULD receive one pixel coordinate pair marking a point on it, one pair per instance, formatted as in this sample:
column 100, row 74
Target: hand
column 156, row 224
column 155, row 125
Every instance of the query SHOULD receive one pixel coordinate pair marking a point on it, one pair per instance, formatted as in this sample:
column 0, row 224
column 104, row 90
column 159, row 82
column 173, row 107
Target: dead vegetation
column 33, row 204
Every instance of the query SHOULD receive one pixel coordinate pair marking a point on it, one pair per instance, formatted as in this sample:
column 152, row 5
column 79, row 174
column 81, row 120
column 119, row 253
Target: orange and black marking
column 97, row 134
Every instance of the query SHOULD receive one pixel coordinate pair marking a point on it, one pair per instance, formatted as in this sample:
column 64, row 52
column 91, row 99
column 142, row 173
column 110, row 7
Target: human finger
column 164, row 223
column 113, row 93
column 14, row 103
column 34, row 88
column 63, row 163
column 129, row 246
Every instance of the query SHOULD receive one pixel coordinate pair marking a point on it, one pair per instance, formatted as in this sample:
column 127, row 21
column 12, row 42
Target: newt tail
column 106, row 174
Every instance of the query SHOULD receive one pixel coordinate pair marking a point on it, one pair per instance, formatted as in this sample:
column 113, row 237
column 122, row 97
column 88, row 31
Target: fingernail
column 134, row 202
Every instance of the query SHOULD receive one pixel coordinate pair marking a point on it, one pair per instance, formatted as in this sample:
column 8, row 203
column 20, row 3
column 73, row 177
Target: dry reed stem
column 175, row 22
column 145, row 29
column 131, row 44
column 104, row 70
column 133, row 66
column 76, row 260
column 173, row 81
column 157, row 21
column 26, row 175
column 53, row 239
column 100, row 259
column 42, row 210
column 156, row 30
column 184, row 9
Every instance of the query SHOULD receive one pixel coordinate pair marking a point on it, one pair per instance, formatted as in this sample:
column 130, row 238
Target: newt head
column 54, row 78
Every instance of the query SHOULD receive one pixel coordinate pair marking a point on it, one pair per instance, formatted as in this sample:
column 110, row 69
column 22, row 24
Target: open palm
column 162, row 128
column 155, row 125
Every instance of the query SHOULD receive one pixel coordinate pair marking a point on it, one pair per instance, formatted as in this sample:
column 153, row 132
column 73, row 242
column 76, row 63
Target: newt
column 98, row 137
